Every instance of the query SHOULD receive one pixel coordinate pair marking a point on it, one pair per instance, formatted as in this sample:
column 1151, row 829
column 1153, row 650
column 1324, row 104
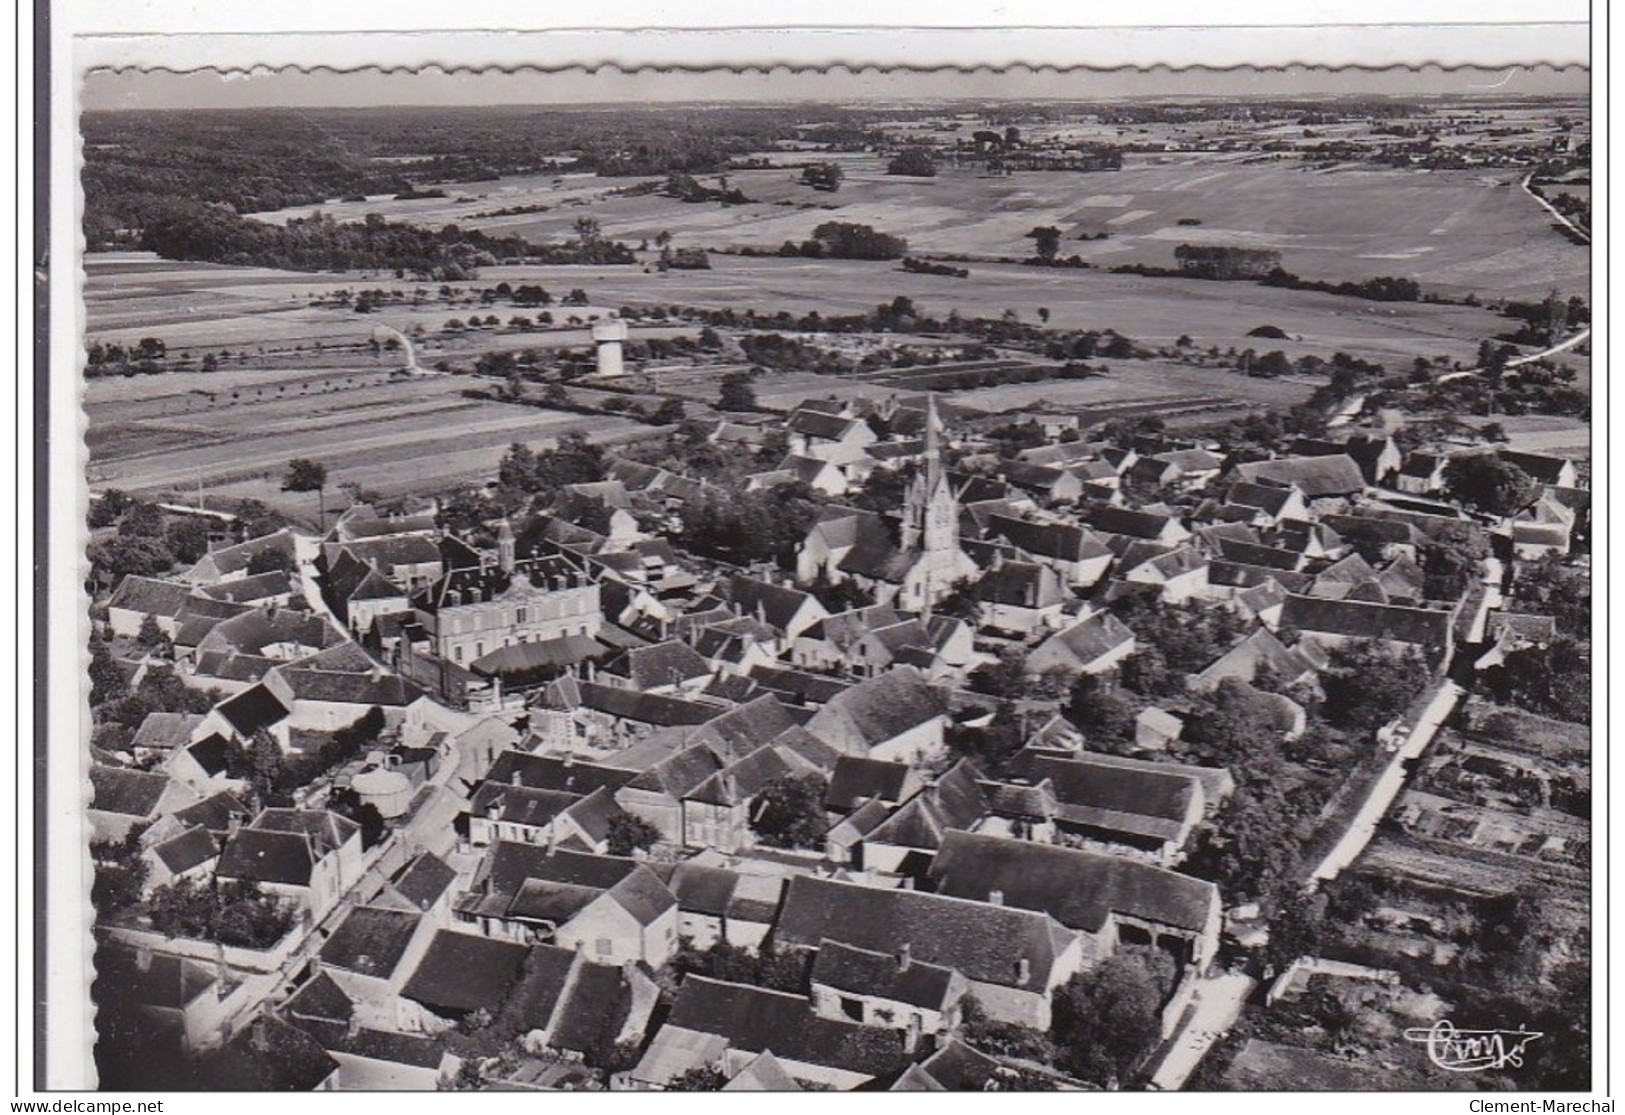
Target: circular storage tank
column 388, row 791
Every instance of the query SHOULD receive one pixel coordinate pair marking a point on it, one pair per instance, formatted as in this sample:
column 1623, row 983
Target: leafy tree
column 107, row 511
column 232, row 913
column 628, row 834
column 1102, row 713
column 702, row 1078
column 737, row 393
column 1046, row 242
column 187, row 539
column 1107, row 1020
column 1369, row 683
column 1549, row 587
column 1252, row 844
column 788, row 812
column 1005, row 678
column 913, row 162
column 149, row 636
column 107, row 678
column 1489, row 483
column 1297, row 926
column 1552, row 681
column 304, row 475
column 120, row 873
column 1003, row 1039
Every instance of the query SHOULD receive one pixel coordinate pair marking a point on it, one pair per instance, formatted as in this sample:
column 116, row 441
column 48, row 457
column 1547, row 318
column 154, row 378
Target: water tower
column 606, row 338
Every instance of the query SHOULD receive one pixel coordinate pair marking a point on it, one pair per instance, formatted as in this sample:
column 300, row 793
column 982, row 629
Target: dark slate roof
column 481, row 585
column 857, row 779
column 371, row 941
column 593, row 1009
column 318, row 999
column 1236, row 574
column 249, row 590
column 347, row 688
column 1134, row 524
column 182, row 853
column 739, row 782
column 677, row 774
column 165, row 731
column 776, row 604
column 811, row 423
column 554, row 772
column 254, row 708
column 1021, row 584
column 885, row 975
column 668, row 663
column 703, row 890
column 880, row 708
column 150, row 596
column 424, row 880
column 213, row 813
column 739, row 731
column 254, row 630
column 1236, row 552
column 806, row 688
column 1078, row 888
column 270, row 1056
column 509, row 866
column 1057, row 541
column 876, row 556
column 645, row 708
column 463, row 972
column 325, row 829
column 1088, row 791
column 1316, row 477
column 167, row 981
column 534, row 1001
column 128, row 793
column 1357, row 619
column 1091, row 638
column 756, row 1019
column 982, row 942
column 954, row 801
column 520, row 805
column 959, row 1068
column 1540, row 466
column 268, row 857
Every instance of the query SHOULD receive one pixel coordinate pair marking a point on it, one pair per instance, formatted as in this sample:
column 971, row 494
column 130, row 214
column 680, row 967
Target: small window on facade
column 457, row 653
column 520, row 616
column 606, row 947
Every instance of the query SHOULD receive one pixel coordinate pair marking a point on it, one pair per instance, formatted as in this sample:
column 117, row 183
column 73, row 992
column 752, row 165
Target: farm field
column 1453, row 231
column 1152, row 311
column 415, row 435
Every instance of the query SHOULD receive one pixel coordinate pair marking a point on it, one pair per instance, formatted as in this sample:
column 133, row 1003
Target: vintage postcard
column 784, row 563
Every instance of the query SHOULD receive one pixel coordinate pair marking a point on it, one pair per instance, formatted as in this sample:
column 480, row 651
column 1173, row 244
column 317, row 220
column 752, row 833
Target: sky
column 106, row 90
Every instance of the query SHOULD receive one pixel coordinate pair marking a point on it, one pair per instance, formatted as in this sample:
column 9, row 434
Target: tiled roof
column 370, row 941
column 128, row 793
column 1080, row 889
column 150, row 596
column 884, row 975
column 1314, row 476
column 1356, row 619
column 981, row 941
column 878, row 709
column 756, row 1019
column 190, row 849
column 856, row 779
column 463, row 972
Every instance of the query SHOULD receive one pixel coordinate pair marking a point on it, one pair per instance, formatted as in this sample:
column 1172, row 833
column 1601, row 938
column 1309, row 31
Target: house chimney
column 352, row 1026
column 552, row 838
column 261, row 1037
column 995, row 897
column 569, row 759
column 234, row 823
column 1024, row 972
column 904, row 956
column 143, row 958
column 514, row 779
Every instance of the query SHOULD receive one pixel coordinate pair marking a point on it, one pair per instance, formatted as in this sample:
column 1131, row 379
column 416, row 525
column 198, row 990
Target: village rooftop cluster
column 554, row 802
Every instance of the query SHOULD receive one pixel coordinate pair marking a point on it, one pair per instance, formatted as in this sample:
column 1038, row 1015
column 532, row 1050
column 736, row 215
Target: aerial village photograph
column 1064, row 582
